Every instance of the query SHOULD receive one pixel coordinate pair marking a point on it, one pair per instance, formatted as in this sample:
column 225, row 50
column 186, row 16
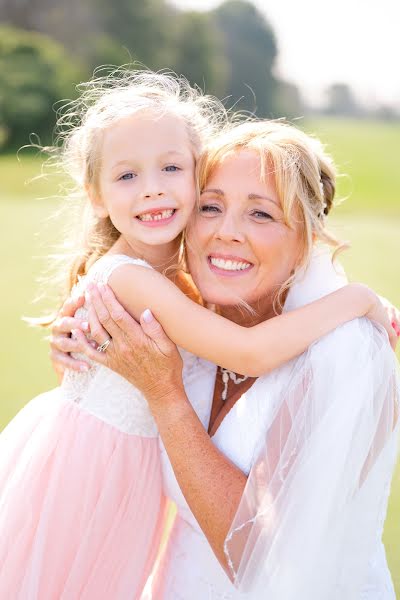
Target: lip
column 225, row 273
column 159, row 222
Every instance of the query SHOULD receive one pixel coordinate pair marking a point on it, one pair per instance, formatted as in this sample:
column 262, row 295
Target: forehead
column 145, row 133
column 244, row 161
column 243, row 169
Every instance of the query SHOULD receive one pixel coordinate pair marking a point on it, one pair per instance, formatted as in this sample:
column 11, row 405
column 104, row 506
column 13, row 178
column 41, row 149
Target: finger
column 97, row 331
column 100, row 314
column 67, row 324
column 86, row 348
column 71, row 305
column 64, row 343
column 65, row 361
column 118, row 314
column 153, row 329
column 393, row 339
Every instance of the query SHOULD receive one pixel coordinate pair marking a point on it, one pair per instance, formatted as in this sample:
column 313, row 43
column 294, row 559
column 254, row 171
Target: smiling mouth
column 156, row 215
column 229, row 264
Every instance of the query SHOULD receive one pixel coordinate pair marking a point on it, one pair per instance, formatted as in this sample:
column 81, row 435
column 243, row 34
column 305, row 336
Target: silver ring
column 103, row 347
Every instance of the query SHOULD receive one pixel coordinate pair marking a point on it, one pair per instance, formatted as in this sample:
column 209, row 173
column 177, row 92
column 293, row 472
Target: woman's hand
column 141, row 353
column 61, row 342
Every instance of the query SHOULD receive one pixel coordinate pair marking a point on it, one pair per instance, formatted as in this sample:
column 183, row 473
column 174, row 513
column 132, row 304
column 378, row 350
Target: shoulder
column 107, row 265
column 357, row 349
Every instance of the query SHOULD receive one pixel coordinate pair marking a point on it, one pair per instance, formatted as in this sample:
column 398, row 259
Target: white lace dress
column 81, row 501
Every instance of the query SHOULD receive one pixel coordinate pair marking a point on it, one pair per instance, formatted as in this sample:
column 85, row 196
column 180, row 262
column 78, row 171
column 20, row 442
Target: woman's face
column 239, row 246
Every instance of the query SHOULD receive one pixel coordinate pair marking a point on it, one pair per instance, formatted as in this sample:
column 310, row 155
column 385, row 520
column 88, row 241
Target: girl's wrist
column 364, row 297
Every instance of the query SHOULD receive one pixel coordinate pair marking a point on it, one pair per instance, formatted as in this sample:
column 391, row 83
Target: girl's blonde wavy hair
column 305, row 178
column 104, row 100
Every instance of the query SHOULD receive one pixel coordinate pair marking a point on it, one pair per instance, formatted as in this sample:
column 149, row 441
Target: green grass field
column 370, row 219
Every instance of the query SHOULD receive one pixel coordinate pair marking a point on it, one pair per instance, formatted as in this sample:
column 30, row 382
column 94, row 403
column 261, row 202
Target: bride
column 281, row 482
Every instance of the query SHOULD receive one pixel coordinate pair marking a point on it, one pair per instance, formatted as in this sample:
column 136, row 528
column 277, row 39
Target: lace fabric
column 100, row 391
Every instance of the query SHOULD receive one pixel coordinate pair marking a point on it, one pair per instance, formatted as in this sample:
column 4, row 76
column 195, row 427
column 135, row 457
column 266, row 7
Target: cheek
column 278, row 251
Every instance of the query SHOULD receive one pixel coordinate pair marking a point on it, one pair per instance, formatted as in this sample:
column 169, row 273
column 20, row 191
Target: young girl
column 81, row 504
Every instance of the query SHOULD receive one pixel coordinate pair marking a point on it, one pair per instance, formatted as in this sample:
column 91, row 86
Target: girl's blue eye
column 127, row 176
column 172, row 168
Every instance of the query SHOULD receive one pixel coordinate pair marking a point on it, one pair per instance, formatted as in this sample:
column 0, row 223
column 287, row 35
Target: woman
column 286, row 493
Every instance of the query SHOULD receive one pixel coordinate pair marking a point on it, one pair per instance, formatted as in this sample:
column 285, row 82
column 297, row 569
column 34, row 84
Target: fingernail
column 74, row 332
column 85, row 326
column 147, row 316
column 84, row 367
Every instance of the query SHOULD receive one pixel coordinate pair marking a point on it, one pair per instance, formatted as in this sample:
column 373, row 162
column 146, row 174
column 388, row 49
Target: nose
column 151, row 187
column 229, row 230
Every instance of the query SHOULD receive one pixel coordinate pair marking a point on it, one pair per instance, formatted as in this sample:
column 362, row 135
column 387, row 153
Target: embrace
column 212, row 355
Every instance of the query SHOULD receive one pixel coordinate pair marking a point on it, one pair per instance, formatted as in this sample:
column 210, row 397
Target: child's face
column 147, row 178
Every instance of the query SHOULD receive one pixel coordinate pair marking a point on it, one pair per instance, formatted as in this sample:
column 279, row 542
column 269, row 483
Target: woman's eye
column 209, row 208
column 172, row 168
column 127, row 176
column 260, row 214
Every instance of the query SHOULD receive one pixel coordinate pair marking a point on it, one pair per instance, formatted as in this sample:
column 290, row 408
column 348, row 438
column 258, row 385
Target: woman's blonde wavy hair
column 305, row 178
column 108, row 97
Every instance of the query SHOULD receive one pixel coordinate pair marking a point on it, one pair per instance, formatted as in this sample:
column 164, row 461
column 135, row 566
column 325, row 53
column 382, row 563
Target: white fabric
column 316, row 504
column 100, row 391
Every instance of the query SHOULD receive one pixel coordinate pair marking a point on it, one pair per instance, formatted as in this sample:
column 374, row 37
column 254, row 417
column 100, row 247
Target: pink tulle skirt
column 81, row 505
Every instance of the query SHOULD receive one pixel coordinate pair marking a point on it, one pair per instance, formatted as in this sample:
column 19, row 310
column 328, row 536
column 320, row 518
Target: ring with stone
column 103, row 347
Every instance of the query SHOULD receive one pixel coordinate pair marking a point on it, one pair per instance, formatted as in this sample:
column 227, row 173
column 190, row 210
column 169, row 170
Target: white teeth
column 164, row 214
column 229, row 265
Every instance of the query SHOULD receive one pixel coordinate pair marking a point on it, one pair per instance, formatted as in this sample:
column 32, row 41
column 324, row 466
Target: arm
column 320, row 480
column 251, row 351
column 211, row 484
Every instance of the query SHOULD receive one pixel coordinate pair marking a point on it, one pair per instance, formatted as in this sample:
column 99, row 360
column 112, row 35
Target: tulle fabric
column 315, row 501
column 81, row 505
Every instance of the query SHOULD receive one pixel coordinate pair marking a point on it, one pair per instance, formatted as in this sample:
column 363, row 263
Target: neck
column 160, row 257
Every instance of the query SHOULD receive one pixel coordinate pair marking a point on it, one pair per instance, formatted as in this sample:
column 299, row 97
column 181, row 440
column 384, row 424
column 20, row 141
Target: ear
column 96, row 201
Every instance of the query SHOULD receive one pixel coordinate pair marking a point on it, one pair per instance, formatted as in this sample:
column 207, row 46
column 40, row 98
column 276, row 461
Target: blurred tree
column 35, row 72
column 68, row 22
column 289, row 103
column 341, row 101
column 143, row 28
column 199, row 52
column 250, row 48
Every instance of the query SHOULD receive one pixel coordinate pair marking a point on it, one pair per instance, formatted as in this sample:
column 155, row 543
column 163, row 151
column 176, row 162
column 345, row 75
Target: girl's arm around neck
column 250, row 351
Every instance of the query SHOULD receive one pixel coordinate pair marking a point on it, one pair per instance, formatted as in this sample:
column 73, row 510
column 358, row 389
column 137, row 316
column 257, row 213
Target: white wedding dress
column 189, row 570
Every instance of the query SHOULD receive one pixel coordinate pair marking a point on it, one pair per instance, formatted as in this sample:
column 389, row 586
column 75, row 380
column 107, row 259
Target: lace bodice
column 100, row 391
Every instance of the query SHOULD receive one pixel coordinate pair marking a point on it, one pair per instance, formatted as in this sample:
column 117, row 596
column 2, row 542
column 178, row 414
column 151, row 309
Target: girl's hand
column 141, row 353
column 387, row 316
column 61, row 342
column 393, row 314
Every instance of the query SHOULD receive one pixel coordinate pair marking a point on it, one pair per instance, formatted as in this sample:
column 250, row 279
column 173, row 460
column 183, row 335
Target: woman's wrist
column 168, row 403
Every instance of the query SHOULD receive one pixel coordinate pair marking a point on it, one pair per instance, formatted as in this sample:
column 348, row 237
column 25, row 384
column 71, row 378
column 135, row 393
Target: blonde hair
column 104, row 100
column 305, row 177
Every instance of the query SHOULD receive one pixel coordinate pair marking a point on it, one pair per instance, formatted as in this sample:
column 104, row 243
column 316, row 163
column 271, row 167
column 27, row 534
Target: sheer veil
column 315, row 501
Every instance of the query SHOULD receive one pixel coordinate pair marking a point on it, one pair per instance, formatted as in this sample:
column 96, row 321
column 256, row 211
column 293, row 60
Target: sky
column 342, row 41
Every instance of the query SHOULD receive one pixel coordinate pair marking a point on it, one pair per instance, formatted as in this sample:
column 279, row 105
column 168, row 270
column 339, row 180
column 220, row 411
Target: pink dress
column 81, row 503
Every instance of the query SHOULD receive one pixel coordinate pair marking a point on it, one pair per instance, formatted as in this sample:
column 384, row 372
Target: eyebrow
column 219, row 192
column 167, row 153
